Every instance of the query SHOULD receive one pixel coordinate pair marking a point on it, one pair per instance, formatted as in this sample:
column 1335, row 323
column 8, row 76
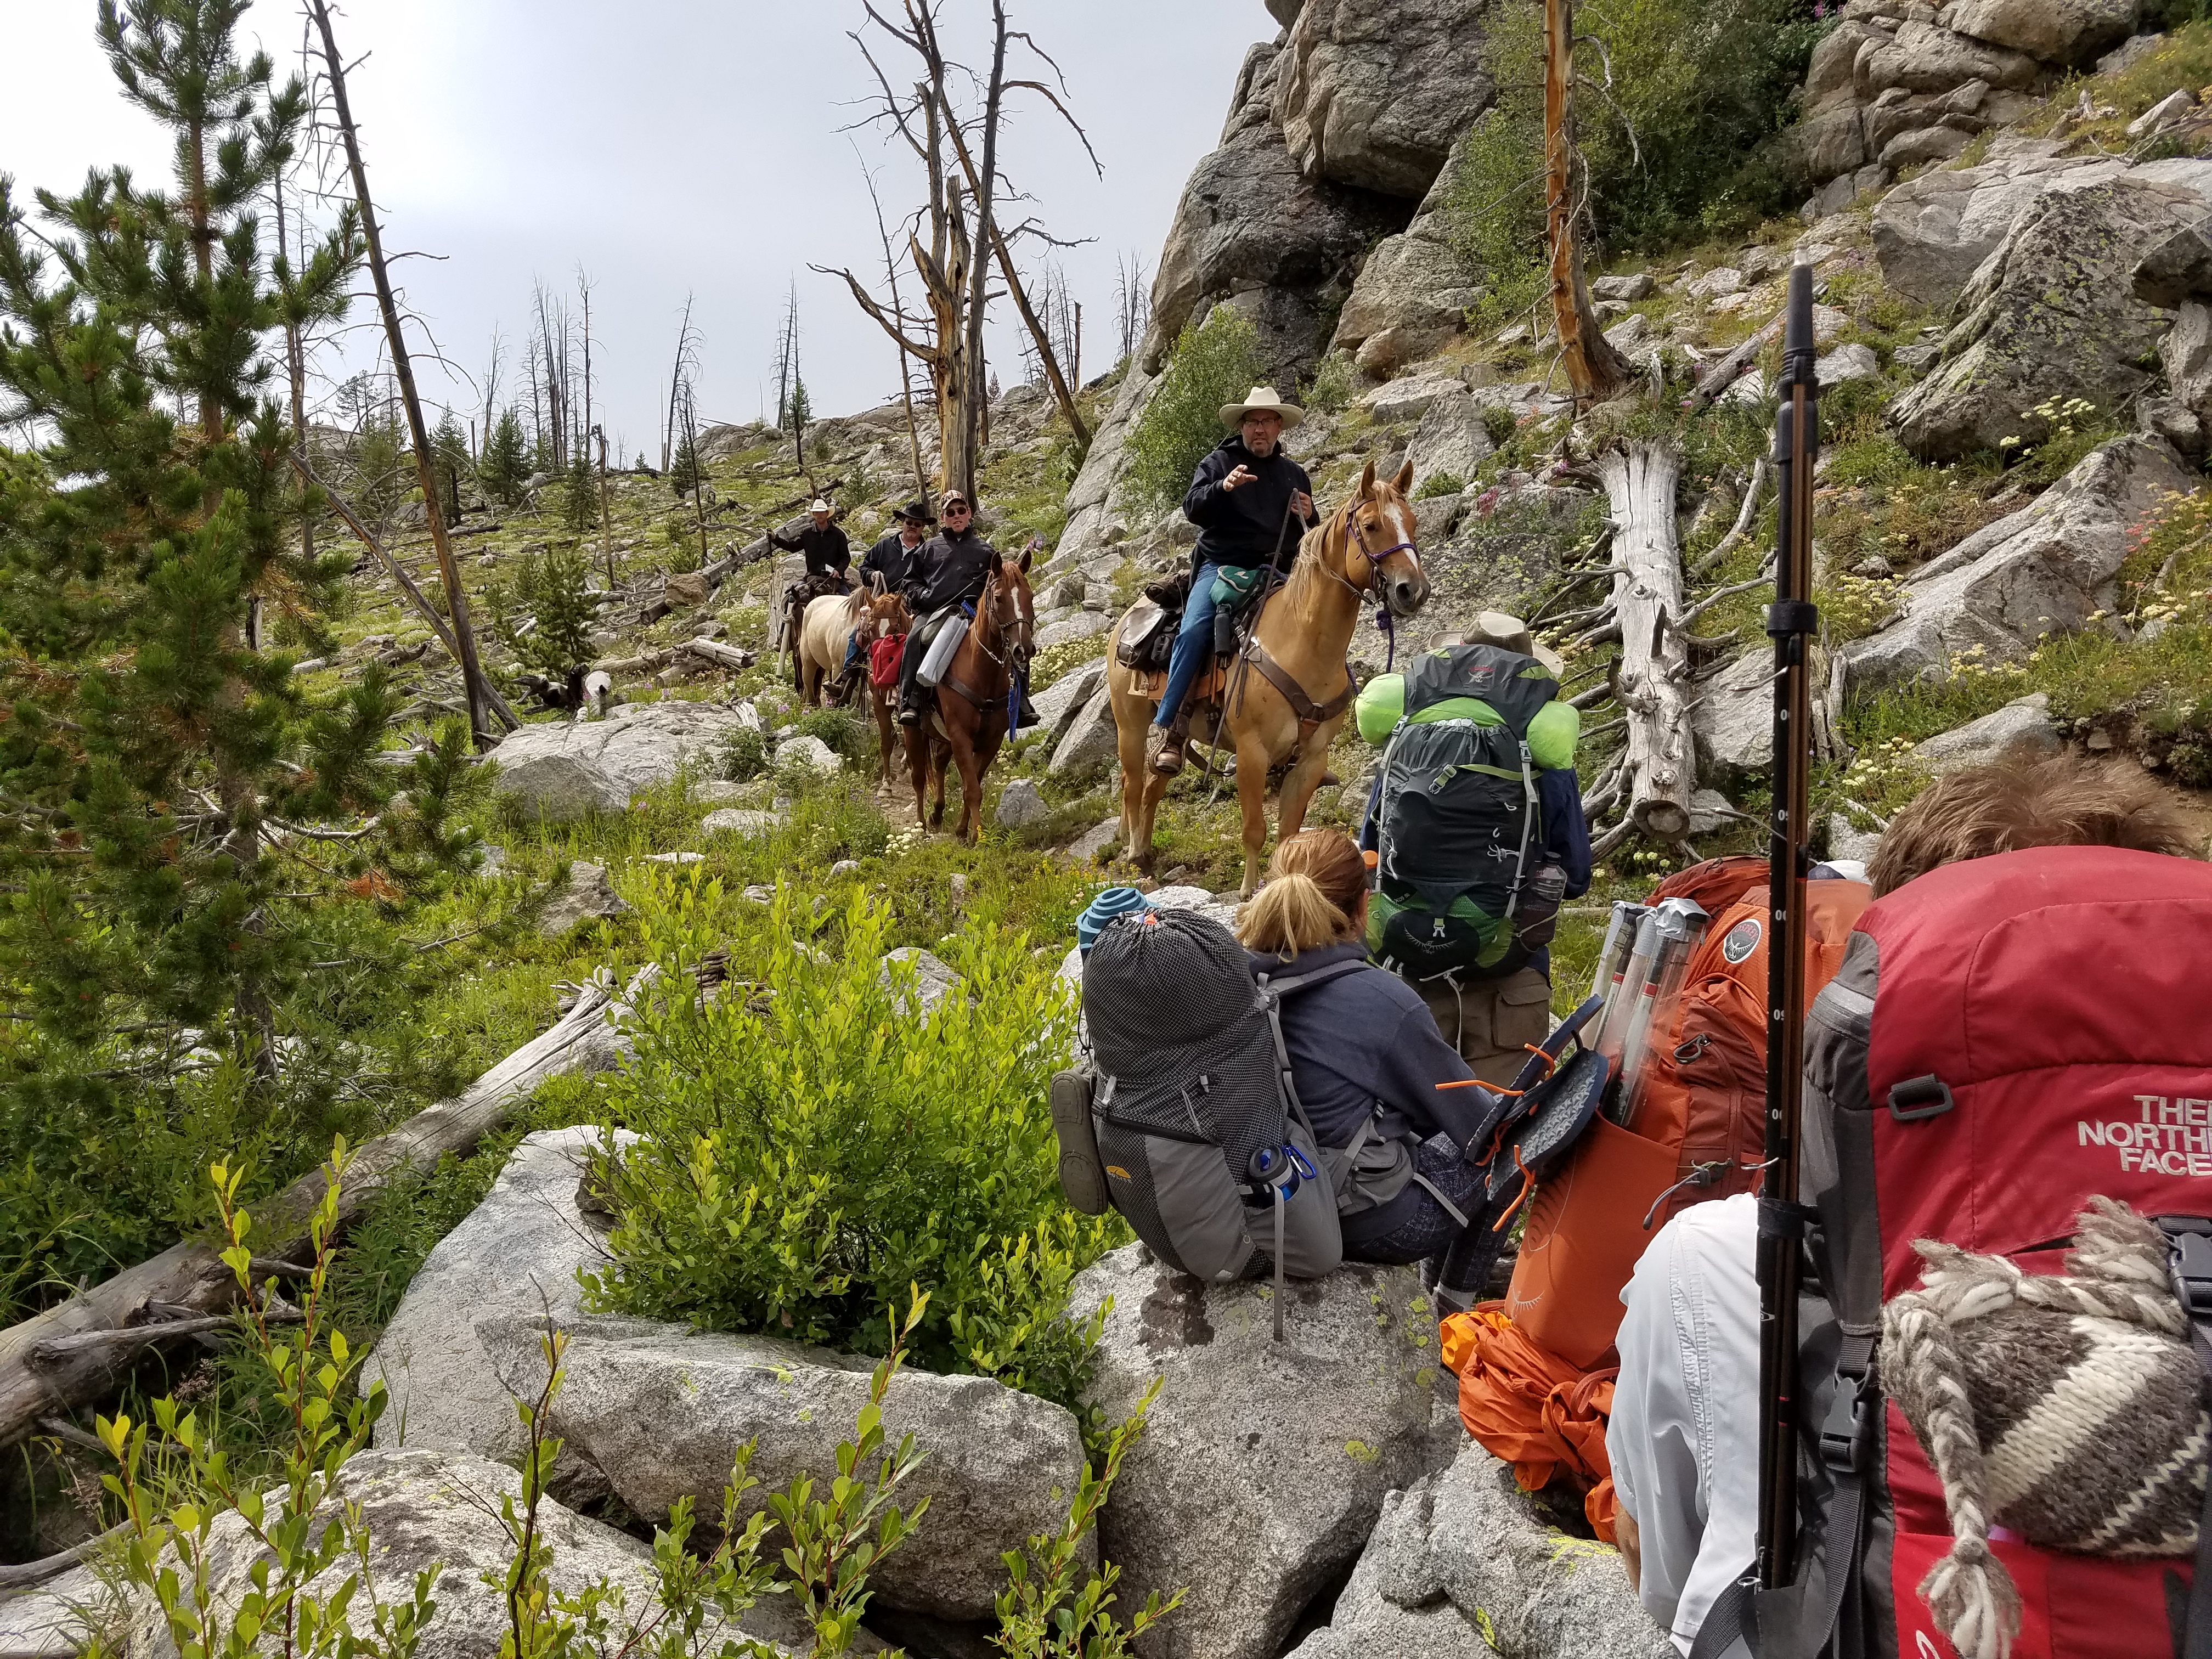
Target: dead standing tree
column 965, row 236
column 477, row 690
column 1594, row 369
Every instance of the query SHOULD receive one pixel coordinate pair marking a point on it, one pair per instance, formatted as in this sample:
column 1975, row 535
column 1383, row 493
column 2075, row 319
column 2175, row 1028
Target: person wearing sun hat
column 1242, row 498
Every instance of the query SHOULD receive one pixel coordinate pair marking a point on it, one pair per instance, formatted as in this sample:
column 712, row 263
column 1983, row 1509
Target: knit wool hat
column 1109, row 906
column 2068, row 1408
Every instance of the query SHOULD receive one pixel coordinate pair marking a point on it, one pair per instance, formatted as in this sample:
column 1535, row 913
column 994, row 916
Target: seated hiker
column 1493, row 1001
column 1684, row 1433
column 887, row 566
column 949, row 572
column 1243, row 498
column 1366, row 1058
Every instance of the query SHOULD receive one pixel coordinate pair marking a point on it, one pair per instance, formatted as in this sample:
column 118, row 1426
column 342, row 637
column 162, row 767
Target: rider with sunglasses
column 949, row 571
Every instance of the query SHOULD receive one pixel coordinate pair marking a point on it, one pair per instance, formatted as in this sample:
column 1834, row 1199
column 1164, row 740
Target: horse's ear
column 1025, row 562
column 1367, row 481
column 1404, row 481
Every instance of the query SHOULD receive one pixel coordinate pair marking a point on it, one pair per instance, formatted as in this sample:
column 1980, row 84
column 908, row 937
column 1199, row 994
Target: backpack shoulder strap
column 2189, row 1239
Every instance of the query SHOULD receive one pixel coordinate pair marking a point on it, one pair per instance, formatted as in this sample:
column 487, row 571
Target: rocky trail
column 2007, row 204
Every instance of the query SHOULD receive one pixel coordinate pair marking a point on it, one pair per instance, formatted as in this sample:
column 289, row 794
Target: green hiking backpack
column 1461, row 884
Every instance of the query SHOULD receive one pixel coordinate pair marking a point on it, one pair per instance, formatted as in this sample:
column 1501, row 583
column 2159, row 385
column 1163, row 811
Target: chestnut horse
column 1306, row 628
column 970, row 721
column 886, row 618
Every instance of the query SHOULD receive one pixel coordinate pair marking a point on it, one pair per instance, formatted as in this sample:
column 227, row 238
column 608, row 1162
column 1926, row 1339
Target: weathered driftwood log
column 47, row 1365
column 1659, row 763
column 724, row 656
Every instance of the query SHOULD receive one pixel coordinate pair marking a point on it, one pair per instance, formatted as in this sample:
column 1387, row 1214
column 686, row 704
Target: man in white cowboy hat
column 829, row 557
column 1242, row 499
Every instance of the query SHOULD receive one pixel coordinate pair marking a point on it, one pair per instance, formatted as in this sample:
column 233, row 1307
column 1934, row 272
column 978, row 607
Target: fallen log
column 50, row 1363
column 1659, row 765
column 725, row 656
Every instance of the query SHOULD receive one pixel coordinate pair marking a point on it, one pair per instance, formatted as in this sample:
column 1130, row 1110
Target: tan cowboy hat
column 820, row 506
column 1507, row 633
column 1264, row 397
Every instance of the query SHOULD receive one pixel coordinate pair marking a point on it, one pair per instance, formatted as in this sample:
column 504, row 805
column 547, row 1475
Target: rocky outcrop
column 1091, row 738
column 2041, row 570
column 661, row 1411
column 1371, row 93
column 2069, row 32
column 2024, row 721
column 1059, row 703
column 569, row 768
column 2052, row 315
column 1931, row 232
column 1264, row 1466
column 1413, row 294
column 518, row 1251
column 1450, row 442
column 1463, row 1562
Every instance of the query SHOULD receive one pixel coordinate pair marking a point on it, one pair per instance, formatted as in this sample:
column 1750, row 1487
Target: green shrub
column 1331, row 388
column 1214, row 363
column 843, row 729
column 1440, row 484
column 1500, row 423
column 744, row 755
column 817, row 1143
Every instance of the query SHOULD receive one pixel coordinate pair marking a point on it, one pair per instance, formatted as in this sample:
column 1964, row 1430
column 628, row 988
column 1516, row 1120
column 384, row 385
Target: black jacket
column 1365, row 1038
column 892, row 557
column 950, row 568
column 1243, row 526
column 826, row 550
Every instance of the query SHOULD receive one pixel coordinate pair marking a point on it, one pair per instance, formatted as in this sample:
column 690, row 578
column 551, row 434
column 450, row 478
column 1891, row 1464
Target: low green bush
column 1500, row 423
column 1214, row 363
column 843, row 729
column 1440, row 484
column 816, row 1142
column 744, row 755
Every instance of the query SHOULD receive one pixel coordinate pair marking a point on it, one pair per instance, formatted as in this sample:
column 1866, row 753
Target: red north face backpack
column 2005, row 1038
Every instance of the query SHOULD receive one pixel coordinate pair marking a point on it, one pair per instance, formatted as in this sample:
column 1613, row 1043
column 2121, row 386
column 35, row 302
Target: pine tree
column 145, row 749
column 555, row 592
column 452, row 447
column 505, row 460
column 580, row 493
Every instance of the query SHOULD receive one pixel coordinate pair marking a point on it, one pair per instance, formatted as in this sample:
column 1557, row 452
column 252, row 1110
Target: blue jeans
column 1194, row 644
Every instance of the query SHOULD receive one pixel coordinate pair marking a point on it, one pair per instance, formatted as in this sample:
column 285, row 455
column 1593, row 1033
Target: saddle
column 1147, row 639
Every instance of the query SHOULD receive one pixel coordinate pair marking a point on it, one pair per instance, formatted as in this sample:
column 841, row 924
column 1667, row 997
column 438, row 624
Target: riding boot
column 1167, row 750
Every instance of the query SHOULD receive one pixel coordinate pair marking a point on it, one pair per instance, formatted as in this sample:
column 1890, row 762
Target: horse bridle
column 1359, row 534
column 994, row 590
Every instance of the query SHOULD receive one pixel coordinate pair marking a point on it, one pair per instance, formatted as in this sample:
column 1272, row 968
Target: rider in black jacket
column 951, row 569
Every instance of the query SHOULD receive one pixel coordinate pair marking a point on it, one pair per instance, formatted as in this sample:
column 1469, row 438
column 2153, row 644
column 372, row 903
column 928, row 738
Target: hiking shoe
column 1167, row 754
column 1082, row 1171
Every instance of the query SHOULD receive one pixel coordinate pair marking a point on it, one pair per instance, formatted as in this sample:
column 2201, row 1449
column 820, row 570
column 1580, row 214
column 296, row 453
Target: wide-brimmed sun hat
column 1261, row 397
column 820, row 506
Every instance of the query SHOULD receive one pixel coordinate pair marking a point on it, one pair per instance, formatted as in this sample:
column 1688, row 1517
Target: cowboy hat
column 1507, row 633
column 916, row 512
column 1261, row 397
column 820, row 506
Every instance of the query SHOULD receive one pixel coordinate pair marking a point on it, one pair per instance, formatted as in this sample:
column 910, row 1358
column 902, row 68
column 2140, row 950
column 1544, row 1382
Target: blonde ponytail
column 1312, row 896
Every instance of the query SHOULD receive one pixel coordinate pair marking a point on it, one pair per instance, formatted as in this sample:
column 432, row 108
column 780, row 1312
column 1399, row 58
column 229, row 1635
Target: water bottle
column 942, row 649
column 1270, row 1171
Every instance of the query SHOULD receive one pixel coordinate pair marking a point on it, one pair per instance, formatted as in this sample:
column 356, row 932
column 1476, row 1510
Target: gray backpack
column 1186, row 1120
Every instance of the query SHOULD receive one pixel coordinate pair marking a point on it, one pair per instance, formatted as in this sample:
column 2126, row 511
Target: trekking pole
column 1790, row 621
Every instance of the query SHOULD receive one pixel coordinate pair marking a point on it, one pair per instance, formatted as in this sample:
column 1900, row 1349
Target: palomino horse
column 971, row 722
column 1294, row 693
column 828, row 624
column 886, row 618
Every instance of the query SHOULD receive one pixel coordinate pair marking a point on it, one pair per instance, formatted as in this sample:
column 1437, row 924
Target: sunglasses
column 959, row 507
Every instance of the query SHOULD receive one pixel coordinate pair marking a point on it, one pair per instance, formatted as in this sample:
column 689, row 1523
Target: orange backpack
column 1699, row 1131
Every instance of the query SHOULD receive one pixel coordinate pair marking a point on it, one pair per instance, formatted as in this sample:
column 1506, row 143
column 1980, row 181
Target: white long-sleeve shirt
column 1684, row 1434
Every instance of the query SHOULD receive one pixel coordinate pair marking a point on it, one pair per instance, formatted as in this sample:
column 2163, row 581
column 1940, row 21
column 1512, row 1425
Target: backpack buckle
column 1847, row 1433
column 2189, row 1262
column 1919, row 1098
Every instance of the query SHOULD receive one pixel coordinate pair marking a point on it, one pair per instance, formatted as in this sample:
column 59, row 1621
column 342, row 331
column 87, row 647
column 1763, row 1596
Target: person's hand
column 1239, row 478
column 1301, row 504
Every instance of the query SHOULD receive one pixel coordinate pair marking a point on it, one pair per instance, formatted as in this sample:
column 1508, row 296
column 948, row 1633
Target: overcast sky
column 671, row 146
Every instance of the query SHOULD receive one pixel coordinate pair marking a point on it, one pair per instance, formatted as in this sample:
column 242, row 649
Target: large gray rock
column 1412, row 296
column 1450, row 440
column 557, row 789
column 661, row 1411
column 635, row 747
column 1371, row 93
column 588, row 896
column 1412, row 396
column 2052, row 314
column 425, row 1508
column 1083, row 625
column 1732, row 722
column 1264, row 1466
column 1930, row 233
column 2067, row 31
column 1827, row 144
column 1927, row 57
column 1020, row 805
column 1830, row 76
column 741, row 821
column 808, row 754
column 2025, row 720
column 1090, row 739
column 519, row 1251
column 1059, row 703
column 2040, row 570
column 1463, row 1564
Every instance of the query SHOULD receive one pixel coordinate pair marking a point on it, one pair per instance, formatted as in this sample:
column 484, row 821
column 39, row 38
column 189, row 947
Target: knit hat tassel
column 1973, row 1600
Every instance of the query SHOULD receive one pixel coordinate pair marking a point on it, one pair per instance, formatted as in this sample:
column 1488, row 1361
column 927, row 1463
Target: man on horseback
column 1242, row 499
column 829, row 557
column 949, row 572
column 891, row 563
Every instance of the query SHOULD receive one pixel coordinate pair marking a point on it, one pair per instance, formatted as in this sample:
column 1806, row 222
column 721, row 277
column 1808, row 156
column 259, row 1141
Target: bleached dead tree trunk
column 1659, row 767
column 1594, row 369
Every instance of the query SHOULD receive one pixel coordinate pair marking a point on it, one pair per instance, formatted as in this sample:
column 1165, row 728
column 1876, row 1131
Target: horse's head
column 1009, row 611
column 1376, row 548
column 886, row 611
